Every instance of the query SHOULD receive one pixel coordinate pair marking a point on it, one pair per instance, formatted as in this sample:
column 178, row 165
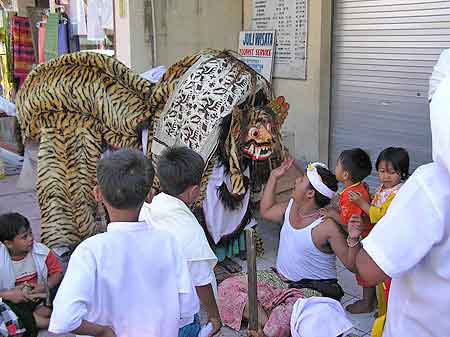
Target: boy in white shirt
column 130, row 281
column 180, row 170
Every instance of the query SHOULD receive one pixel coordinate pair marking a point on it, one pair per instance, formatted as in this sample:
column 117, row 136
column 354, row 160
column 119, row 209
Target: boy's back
column 129, row 278
column 348, row 208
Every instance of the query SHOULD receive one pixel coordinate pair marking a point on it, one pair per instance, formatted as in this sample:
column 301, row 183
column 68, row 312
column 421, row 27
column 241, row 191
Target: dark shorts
column 191, row 330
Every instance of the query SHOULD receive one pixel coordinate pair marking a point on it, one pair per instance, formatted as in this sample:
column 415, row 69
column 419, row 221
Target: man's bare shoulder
column 330, row 227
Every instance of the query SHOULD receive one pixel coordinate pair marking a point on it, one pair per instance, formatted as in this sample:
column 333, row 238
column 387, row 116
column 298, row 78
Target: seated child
column 131, row 280
column 180, row 171
column 393, row 169
column 352, row 167
column 28, row 270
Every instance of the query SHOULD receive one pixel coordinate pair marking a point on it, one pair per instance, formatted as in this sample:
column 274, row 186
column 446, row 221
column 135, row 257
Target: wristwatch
column 353, row 242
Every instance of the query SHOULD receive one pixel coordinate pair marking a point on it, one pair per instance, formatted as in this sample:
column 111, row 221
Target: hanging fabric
column 99, row 18
column 77, row 17
column 74, row 40
column 41, row 44
column 51, row 36
column 6, row 84
column 35, row 16
column 23, row 51
column 63, row 43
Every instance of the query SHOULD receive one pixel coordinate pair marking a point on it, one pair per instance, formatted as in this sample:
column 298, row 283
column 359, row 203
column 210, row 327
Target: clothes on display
column 99, row 18
column 39, row 36
column 51, row 37
column 7, row 80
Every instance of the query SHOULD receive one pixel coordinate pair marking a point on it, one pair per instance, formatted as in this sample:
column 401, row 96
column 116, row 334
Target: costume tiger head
column 260, row 140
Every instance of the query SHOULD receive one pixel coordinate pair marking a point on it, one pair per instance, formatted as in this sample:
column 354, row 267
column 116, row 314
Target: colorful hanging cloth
column 41, row 44
column 22, row 45
column 5, row 58
column 51, row 36
column 63, row 43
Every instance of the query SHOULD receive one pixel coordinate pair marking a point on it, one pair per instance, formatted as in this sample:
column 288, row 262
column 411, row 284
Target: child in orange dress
column 352, row 167
column 393, row 169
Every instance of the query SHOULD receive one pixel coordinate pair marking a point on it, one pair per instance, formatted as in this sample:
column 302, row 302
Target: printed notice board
column 289, row 18
column 256, row 49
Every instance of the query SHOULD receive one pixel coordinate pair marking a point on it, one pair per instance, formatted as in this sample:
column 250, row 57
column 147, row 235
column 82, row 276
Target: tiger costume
column 82, row 104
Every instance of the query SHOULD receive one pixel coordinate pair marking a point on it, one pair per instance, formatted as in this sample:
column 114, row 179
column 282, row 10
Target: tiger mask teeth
column 259, row 140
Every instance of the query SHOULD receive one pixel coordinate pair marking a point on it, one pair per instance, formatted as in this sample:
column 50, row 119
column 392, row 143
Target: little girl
column 393, row 169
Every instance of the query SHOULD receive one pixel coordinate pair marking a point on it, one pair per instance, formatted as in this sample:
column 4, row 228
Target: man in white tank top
column 307, row 251
column 308, row 243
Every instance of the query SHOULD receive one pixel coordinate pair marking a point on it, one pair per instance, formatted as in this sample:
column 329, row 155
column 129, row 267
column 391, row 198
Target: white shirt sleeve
column 408, row 231
column 75, row 293
column 188, row 299
column 440, row 71
column 201, row 273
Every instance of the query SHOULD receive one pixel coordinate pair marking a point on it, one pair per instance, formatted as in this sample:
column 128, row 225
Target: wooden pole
column 251, row 273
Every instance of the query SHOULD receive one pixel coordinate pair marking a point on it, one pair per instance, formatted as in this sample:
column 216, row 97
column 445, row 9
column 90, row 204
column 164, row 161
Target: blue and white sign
column 256, row 49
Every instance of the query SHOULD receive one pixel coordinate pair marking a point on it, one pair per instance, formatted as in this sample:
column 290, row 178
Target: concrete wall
column 309, row 100
column 182, row 28
column 133, row 35
column 22, row 6
column 187, row 26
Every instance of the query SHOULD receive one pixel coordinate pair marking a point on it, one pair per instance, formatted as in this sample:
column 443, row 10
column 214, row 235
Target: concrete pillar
column 182, row 27
column 133, row 34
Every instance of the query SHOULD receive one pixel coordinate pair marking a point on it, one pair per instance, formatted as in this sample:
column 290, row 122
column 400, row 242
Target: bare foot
column 360, row 307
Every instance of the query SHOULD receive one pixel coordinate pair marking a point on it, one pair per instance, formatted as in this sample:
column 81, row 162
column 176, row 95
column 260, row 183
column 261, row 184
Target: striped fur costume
column 81, row 104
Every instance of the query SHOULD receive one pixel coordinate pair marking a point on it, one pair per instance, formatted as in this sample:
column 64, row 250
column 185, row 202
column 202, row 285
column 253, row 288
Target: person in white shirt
column 179, row 172
column 130, row 281
column 440, row 71
column 411, row 244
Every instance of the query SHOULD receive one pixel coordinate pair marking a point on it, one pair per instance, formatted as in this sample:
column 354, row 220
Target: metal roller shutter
column 383, row 55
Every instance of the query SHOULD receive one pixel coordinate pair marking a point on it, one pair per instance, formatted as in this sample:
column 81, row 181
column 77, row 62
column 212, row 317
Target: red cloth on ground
column 278, row 302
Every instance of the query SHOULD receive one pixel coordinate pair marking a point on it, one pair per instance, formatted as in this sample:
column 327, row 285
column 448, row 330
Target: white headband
column 316, row 180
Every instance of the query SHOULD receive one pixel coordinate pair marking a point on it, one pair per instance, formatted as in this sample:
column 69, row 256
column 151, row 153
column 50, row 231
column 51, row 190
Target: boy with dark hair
column 28, row 270
column 130, row 281
column 352, row 167
column 180, row 170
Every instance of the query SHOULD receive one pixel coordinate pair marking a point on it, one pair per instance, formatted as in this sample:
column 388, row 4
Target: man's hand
column 355, row 227
column 354, row 197
column 330, row 213
column 282, row 169
column 17, row 295
column 38, row 289
column 217, row 325
column 358, row 200
column 106, row 331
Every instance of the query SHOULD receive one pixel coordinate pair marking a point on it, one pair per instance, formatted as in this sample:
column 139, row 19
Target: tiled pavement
column 12, row 199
